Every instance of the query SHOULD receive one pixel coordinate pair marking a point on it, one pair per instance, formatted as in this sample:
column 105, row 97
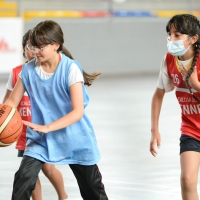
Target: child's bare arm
column 155, row 113
column 16, row 94
column 76, row 114
column 8, row 92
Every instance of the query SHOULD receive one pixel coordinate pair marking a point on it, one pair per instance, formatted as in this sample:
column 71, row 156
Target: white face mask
column 176, row 47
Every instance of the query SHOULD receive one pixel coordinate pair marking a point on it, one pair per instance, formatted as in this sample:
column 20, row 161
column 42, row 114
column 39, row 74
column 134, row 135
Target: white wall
column 10, row 43
column 116, row 45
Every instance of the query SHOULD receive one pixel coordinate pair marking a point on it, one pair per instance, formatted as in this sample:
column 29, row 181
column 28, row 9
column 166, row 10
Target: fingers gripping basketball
column 10, row 125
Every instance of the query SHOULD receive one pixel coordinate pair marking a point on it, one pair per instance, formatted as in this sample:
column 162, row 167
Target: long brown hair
column 49, row 32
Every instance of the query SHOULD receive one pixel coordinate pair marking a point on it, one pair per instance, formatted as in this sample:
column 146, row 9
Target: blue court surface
column 120, row 112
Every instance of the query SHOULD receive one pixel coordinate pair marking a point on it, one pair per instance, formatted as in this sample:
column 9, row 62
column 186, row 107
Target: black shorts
column 188, row 143
column 20, row 153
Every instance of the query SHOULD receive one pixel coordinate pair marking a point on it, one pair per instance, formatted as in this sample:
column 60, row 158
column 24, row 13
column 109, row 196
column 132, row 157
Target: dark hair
column 49, row 32
column 189, row 25
column 24, row 41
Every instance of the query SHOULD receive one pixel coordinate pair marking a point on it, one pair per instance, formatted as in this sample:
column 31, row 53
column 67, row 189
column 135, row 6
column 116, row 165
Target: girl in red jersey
column 180, row 69
column 24, row 109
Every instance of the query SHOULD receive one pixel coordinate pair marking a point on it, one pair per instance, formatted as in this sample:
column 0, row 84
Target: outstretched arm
column 75, row 115
column 155, row 113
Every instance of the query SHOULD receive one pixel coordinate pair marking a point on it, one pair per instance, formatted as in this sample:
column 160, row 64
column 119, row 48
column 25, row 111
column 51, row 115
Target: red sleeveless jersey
column 23, row 108
column 189, row 106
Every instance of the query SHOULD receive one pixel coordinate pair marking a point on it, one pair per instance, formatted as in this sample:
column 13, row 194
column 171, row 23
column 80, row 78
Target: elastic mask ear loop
column 189, row 44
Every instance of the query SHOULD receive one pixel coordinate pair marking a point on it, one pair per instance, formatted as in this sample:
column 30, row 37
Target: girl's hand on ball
column 36, row 127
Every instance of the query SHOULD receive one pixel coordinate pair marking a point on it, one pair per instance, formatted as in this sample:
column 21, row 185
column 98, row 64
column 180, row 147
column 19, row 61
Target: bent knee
column 24, row 174
column 188, row 181
column 48, row 170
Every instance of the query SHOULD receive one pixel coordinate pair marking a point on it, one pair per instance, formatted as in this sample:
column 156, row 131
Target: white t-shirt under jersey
column 75, row 76
column 164, row 82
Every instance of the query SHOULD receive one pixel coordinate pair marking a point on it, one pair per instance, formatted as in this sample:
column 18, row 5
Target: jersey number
column 175, row 78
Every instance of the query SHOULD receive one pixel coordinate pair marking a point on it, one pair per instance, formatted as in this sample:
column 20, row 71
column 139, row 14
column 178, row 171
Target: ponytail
column 197, row 51
column 88, row 78
column 196, row 47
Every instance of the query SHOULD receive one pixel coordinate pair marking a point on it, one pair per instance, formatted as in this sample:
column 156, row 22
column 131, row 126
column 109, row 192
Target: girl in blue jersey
column 50, row 171
column 60, row 132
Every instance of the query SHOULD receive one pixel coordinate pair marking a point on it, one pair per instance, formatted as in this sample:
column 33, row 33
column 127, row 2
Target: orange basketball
column 10, row 125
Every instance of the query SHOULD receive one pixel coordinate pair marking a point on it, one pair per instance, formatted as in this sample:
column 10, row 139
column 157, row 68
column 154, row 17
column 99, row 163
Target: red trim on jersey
column 23, row 108
column 189, row 106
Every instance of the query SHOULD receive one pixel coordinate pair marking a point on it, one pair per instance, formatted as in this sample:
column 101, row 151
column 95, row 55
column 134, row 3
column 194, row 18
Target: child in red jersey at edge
column 179, row 70
column 24, row 109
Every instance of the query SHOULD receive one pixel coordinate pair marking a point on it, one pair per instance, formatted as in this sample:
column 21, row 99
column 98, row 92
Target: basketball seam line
column 12, row 134
column 8, row 118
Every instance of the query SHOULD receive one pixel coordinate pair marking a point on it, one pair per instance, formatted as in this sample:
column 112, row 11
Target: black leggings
column 88, row 178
